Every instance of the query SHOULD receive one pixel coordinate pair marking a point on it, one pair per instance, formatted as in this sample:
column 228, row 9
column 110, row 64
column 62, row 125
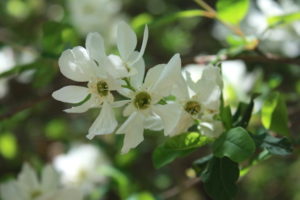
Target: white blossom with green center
column 29, row 187
column 144, row 97
column 196, row 101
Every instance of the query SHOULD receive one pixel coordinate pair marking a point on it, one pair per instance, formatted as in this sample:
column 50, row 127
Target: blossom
column 196, row 101
column 143, row 107
column 80, row 167
column 95, row 16
column 103, row 74
column 29, row 187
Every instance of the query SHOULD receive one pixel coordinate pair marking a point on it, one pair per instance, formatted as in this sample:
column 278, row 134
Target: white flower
column 80, row 167
column 95, row 15
column 29, row 187
column 143, row 109
column 7, row 61
column 79, row 65
column 195, row 101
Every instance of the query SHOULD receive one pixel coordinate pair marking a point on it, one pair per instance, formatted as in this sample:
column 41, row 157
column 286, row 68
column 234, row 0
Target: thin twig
column 180, row 188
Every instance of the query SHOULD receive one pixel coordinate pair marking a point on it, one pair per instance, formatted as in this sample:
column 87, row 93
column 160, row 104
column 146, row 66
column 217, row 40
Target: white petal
column 70, row 69
column 137, row 79
column 28, row 179
column 129, row 110
column 115, row 67
column 81, row 108
column 208, row 93
column 152, row 75
column 153, row 122
column 133, row 128
column 11, row 190
column 170, row 116
column 126, row 40
column 211, row 127
column 68, row 194
column 105, row 123
column 168, row 77
column 71, row 94
column 214, row 74
column 144, row 43
column 95, row 46
column 121, row 103
column 50, row 179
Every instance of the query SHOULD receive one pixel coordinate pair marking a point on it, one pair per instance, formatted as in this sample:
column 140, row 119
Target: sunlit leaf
column 178, row 146
column 8, row 145
column 232, row 11
column 283, row 19
column 274, row 114
column 235, row 144
column 220, row 178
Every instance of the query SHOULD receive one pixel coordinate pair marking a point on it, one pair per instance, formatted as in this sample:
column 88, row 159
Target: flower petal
column 153, row 122
column 71, row 94
column 50, row 179
column 168, row 77
column 11, row 190
column 67, row 194
column 210, row 127
column 81, row 108
column 69, row 68
column 95, row 46
column 28, row 180
column 137, row 79
column 121, row 103
column 105, row 123
column 214, row 74
column 170, row 116
column 133, row 129
column 126, row 40
column 152, row 75
column 144, row 43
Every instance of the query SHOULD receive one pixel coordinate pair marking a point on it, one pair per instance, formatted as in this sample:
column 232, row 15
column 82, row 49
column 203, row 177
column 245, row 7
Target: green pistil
column 142, row 100
column 102, row 88
column 192, row 107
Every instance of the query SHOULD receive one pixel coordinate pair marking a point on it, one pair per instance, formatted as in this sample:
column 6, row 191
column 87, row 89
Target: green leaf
column 220, row 178
column 232, row 11
column 226, row 117
column 178, row 146
column 274, row 145
column 236, row 144
column 200, row 164
column 283, row 19
column 274, row 114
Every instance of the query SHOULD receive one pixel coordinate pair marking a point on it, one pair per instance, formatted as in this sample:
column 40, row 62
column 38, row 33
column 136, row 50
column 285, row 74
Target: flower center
column 35, row 194
column 142, row 100
column 102, row 88
column 192, row 107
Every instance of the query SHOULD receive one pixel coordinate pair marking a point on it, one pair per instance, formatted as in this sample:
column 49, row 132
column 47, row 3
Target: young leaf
column 220, row 178
column 274, row 145
column 235, row 144
column 178, row 146
column 226, row 117
column 283, row 19
column 274, row 114
column 232, row 11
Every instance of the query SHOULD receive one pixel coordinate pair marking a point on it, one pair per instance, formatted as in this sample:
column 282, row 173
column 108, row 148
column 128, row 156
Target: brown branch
column 247, row 58
column 24, row 106
column 180, row 188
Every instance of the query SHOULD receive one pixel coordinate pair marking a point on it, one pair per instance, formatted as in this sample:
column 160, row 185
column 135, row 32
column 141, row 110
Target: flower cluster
column 148, row 103
column 29, row 187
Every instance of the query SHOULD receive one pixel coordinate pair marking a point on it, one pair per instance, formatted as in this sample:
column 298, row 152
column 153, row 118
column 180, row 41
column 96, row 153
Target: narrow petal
column 11, row 190
column 214, row 74
column 168, row 77
column 70, row 69
column 137, row 79
column 152, row 75
column 144, row 44
column 129, row 110
column 28, row 179
column 208, row 93
column 81, row 108
column 170, row 116
column 133, row 129
column 71, row 94
column 105, row 123
column 50, row 179
column 126, row 40
column 210, row 127
column 153, row 122
column 115, row 67
column 95, row 46
column 121, row 103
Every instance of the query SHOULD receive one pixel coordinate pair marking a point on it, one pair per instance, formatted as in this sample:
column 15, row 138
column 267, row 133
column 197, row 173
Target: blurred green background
column 34, row 129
